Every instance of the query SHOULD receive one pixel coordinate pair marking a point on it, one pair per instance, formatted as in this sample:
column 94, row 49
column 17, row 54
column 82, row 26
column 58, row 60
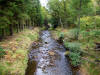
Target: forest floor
column 17, row 48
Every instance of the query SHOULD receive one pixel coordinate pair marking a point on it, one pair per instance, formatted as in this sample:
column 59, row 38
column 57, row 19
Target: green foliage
column 61, row 35
column 17, row 14
column 32, row 37
column 2, row 52
column 72, row 34
column 74, row 53
column 2, row 68
column 4, row 21
column 87, row 23
column 59, row 13
column 93, row 69
column 97, row 19
column 68, row 11
column 93, row 33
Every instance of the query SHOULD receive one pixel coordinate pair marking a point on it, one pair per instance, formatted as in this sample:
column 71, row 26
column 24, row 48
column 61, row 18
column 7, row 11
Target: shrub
column 88, row 22
column 97, row 21
column 61, row 35
column 73, row 33
column 89, row 35
column 75, row 53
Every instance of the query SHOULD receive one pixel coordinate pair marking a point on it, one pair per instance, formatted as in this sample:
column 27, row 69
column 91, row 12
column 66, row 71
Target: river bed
column 48, row 58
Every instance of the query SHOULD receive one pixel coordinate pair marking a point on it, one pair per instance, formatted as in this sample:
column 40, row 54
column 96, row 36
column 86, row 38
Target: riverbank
column 89, row 55
column 16, row 47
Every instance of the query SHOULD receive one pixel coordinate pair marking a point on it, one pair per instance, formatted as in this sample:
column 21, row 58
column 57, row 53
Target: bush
column 97, row 21
column 75, row 54
column 2, row 52
column 73, row 33
column 61, row 35
column 88, row 22
column 90, row 35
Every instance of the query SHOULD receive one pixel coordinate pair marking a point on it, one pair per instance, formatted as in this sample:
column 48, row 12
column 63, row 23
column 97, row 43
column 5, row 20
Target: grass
column 16, row 49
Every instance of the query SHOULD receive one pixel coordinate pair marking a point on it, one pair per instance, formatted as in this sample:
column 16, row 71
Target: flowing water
column 48, row 58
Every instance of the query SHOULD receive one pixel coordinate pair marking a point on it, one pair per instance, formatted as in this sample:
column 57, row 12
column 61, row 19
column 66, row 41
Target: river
column 48, row 58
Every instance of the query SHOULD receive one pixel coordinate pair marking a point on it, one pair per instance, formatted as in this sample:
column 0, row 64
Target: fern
column 75, row 54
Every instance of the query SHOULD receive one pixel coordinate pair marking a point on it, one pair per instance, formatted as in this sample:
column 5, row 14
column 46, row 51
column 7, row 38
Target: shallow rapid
column 48, row 58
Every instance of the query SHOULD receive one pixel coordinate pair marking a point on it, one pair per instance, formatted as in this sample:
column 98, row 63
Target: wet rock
column 66, row 53
column 46, row 42
column 97, row 48
column 49, row 57
column 35, row 45
column 52, row 53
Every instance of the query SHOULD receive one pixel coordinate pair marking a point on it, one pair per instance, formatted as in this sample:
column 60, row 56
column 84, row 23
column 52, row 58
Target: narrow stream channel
column 48, row 58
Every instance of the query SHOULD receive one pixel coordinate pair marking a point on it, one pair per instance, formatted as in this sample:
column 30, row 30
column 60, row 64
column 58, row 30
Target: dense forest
column 16, row 15
column 75, row 23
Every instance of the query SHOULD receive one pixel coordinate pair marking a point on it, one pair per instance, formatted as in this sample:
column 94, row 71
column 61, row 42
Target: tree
column 15, row 15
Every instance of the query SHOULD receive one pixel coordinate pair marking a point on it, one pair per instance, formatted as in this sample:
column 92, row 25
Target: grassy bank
column 16, row 48
column 82, row 51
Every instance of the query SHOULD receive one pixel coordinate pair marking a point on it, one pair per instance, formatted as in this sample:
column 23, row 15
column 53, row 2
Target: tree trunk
column 10, row 30
column 26, row 24
column 2, row 34
column 61, row 23
column 17, row 27
column 77, row 36
column 65, row 12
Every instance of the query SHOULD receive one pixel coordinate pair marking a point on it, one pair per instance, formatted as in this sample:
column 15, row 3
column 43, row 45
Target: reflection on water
column 31, row 68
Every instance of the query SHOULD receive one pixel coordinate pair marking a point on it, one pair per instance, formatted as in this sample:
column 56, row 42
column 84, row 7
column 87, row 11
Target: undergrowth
column 74, row 54
column 14, row 62
column 85, row 45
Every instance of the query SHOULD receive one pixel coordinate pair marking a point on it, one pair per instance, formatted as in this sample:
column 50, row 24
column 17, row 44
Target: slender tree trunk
column 65, row 12
column 32, row 24
column 26, row 24
column 79, row 20
column 17, row 28
column 22, row 26
column 2, row 34
column 10, row 30
column 61, row 23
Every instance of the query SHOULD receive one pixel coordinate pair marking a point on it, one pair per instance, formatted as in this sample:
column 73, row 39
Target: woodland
column 75, row 23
